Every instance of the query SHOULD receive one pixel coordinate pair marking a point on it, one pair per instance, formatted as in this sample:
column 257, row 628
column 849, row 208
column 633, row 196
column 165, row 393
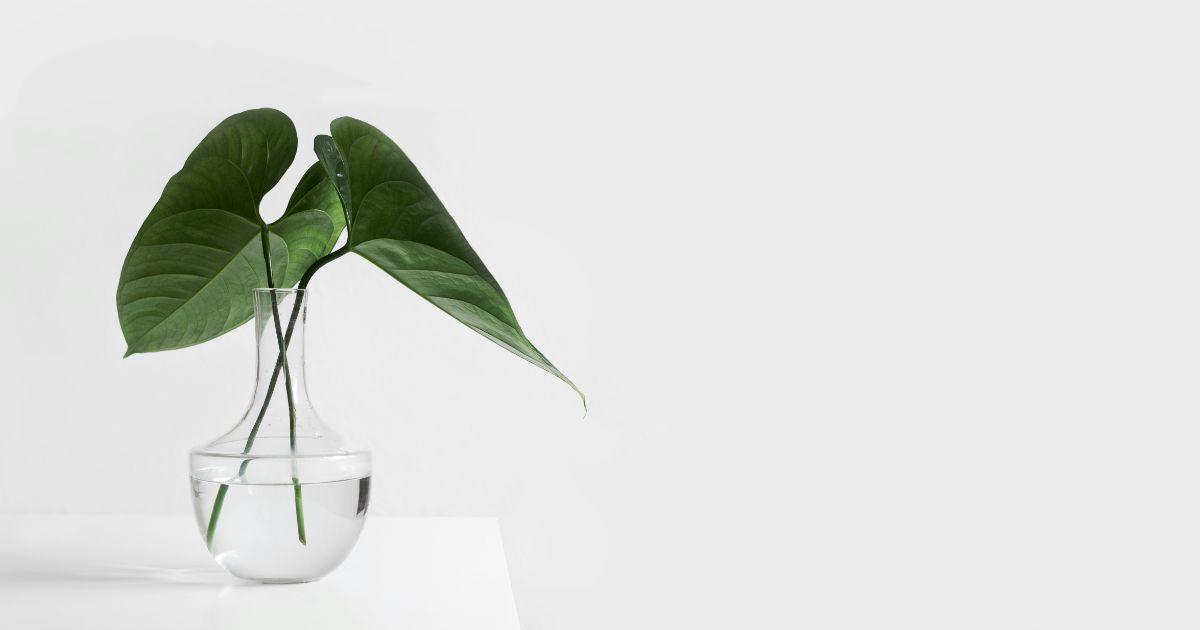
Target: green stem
column 279, row 364
column 287, row 381
column 299, row 509
column 216, row 514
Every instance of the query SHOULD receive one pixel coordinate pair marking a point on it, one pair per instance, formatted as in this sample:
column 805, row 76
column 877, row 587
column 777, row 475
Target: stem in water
column 291, row 401
column 279, row 364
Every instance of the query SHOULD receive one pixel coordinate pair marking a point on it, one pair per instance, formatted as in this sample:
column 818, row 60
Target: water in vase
column 258, row 536
column 281, row 497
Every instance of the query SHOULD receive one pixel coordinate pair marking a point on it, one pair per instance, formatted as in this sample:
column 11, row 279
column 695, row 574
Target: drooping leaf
column 188, row 274
column 401, row 226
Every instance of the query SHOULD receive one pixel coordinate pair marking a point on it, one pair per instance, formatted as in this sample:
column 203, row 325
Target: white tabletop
column 133, row 572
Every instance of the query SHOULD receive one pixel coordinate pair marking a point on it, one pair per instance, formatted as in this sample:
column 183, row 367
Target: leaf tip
column 582, row 398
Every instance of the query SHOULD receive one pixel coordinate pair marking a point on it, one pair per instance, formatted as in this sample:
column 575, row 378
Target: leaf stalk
column 280, row 366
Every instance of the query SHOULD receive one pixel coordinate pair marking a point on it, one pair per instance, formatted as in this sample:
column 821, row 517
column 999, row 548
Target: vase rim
column 267, row 290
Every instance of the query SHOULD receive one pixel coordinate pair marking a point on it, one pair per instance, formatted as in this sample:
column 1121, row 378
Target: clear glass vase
column 280, row 498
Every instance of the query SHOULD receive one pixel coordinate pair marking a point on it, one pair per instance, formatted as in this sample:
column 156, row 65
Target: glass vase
column 280, row 498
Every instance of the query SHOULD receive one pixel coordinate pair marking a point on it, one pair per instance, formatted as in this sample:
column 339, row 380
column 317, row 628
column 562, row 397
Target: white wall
column 887, row 311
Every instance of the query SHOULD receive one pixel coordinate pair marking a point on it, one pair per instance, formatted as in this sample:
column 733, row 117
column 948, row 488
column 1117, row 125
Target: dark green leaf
column 189, row 272
column 335, row 170
column 311, row 224
column 402, row 227
column 309, row 235
column 314, row 191
column 188, row 275
column 260, row 142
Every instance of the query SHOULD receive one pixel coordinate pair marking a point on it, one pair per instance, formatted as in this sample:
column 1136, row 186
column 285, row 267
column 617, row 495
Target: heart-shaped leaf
column 400, row 225
column 188, row 274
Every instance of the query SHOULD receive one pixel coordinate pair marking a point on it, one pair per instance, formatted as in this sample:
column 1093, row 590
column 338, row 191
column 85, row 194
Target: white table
column 134, row 572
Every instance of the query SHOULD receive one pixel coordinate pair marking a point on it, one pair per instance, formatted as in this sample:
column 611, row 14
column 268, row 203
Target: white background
column 887, row 312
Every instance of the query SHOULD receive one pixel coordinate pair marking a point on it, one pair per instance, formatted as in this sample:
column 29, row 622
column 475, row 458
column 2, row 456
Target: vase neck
column 279, row 315
column 275, row 443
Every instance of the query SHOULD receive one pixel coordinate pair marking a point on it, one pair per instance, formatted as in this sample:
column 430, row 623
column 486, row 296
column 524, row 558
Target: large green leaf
column 188, row 274
column 260, row 142
column 400, row 225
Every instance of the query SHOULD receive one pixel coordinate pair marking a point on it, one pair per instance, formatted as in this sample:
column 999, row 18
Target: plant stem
column 299, row 509
column 262, row 412
column 291, row 401
column 216, row 513
column 287, row 380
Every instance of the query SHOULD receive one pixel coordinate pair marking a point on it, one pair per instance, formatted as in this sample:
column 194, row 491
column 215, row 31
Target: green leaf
column 188, row 274
column 308, row 237
column 317, row 238
column 314, row 191
column 334, row 164
column 400, row 225
column 260, row 142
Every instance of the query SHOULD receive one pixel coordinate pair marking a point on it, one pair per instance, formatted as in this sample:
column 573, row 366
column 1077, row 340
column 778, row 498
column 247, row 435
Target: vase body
column 281, row 497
